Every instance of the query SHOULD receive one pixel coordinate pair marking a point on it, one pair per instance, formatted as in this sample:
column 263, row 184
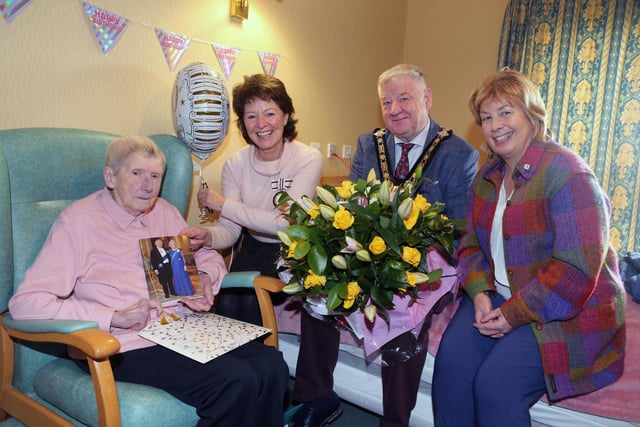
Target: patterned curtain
column 585, row 57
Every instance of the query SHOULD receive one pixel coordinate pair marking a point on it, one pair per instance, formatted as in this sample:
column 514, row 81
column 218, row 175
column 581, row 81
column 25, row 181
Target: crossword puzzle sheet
column 202, row 336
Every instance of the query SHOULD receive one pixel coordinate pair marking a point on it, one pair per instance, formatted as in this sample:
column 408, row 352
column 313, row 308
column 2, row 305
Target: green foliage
column 368, row 233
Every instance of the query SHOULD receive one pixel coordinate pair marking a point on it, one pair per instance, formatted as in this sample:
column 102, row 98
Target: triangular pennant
column 173, row 45
column 269, row 62
column 227, row 57
column 12, row 8
column 107, row 26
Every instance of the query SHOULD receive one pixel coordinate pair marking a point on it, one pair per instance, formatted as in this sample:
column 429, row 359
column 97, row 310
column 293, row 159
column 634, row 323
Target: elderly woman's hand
column 204, row 303
column 136, row 316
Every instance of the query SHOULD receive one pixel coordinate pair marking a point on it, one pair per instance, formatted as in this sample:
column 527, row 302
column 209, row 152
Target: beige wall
column 457, row 50
column 54, row 74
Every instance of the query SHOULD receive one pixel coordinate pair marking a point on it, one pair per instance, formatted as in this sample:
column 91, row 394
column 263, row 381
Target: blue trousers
column 482, row 381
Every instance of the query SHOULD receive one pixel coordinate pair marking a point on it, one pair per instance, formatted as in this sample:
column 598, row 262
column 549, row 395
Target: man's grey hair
column 401, row 71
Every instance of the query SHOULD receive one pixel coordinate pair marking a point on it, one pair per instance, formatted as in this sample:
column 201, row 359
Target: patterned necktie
column 402, row 170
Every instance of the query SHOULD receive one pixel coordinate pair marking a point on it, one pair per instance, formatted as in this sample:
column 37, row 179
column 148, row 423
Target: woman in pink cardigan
column 252, row 179
column 544, row 305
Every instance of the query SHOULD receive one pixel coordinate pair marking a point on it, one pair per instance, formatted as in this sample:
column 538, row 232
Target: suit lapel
column 390, row 143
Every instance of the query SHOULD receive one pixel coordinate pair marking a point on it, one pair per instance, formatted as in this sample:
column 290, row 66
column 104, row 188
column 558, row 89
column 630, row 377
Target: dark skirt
column 249, row 255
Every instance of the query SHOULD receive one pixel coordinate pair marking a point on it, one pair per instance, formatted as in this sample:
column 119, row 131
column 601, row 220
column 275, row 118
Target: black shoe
column 318, row 413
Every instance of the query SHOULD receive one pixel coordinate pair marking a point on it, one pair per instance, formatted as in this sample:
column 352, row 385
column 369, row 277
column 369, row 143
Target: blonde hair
column 123, row 147
column 519, row 91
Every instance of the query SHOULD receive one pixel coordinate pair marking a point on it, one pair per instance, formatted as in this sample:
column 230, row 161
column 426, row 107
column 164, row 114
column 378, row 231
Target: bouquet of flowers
column 359, row 244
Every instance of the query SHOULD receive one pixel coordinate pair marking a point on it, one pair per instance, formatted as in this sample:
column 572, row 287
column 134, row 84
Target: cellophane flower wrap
column 361, row 243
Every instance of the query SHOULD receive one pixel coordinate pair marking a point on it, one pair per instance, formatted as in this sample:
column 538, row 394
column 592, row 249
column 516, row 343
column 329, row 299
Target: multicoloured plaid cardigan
column 563, row 274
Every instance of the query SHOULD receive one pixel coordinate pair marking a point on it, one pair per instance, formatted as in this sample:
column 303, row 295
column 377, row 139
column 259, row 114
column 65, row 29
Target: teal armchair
column 43, row 170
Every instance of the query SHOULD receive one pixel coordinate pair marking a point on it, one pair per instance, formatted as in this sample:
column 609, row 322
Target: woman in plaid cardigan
column 545, row 302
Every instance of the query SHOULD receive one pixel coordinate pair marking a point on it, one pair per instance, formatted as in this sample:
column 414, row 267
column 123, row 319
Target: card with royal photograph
column 170, row 269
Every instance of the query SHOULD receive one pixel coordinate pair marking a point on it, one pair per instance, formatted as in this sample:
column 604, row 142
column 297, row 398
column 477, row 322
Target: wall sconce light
column 240, row 9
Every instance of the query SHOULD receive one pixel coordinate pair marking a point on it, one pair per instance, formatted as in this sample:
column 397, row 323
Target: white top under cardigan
column 497, row 246
column 249, row 185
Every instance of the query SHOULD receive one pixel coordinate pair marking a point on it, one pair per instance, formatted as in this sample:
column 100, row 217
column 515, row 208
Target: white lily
column 292, row 289
column 371, row 177
column 339, row 262
column 306, row 203
column 327, row 197
column 384, row 195
column 370, row 312
column 363, row 255
column 284, row 237
column 352, row 245
column 420, row 277
column 405, row 207
column 326, row 211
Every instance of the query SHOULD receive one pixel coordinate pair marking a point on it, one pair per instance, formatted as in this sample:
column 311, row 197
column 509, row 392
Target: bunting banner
column 227, row 57
column 12, row 8
column 107, row 26
column 173, row 46
column 269, row 62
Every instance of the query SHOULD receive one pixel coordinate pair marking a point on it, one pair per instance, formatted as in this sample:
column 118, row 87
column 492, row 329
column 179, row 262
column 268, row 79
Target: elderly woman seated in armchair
column 90, row 268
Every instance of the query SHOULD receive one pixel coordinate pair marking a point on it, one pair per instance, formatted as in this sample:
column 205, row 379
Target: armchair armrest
column 239, row 279
column 39, row 326
column 83, row 335
column 263, row 286
column 96, row 344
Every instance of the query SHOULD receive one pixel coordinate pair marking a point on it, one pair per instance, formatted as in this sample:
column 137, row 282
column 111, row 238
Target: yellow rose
column 411, row 220
column 353, row 289
column 313, row 279
column 411, row 279
column 292, row 250
column 411, row 255
column 421, row 203
column 346, row 189
column 314, row 211
column 343, row 219
column 377, row 245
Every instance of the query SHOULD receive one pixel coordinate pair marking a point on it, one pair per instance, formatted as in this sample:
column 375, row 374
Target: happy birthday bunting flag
column 107, row 27
column 269, row 62
column 173, row 45
column 227, row 57
column 12, row 8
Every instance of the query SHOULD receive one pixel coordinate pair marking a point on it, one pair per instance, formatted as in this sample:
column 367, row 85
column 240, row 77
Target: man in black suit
column 162, row 267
